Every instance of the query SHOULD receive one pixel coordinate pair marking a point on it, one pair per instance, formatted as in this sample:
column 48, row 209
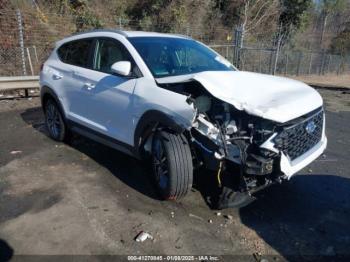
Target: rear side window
column 76, row 53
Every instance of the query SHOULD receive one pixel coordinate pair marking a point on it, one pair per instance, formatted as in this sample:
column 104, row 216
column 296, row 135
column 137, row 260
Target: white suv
column 179, row 104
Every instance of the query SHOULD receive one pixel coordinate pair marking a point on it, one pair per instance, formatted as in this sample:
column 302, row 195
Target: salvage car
column 178, row 104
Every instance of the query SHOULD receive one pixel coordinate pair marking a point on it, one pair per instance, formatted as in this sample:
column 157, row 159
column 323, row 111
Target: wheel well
column 148, row 122
column 45, row 98
column 46, row 94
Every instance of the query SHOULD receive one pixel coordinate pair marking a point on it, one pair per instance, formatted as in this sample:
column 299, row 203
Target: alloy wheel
column 53, row 120
column 160, row 164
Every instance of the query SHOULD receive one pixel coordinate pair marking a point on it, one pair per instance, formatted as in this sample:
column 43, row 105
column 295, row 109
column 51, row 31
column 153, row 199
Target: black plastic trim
column 102, row 138
column 102, row 30
column 151, row 119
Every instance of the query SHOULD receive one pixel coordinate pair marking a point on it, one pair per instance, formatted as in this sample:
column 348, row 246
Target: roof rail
column 184, row 36
column 102, row 30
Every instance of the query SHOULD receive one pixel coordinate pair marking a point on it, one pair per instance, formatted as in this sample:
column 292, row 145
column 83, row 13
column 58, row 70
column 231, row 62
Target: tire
column 172, row 165
column 54, row 120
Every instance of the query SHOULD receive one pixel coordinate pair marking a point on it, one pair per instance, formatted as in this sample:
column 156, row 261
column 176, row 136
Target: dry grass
column 326, row 80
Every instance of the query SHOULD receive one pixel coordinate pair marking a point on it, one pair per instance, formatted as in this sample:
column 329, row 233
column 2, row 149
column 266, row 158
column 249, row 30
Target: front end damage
column 247, row 152
column 262, row 149
column 225, row 138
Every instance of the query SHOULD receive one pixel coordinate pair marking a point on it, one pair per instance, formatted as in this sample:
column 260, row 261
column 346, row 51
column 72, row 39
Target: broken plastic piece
column 15, row 152
column 142, row 236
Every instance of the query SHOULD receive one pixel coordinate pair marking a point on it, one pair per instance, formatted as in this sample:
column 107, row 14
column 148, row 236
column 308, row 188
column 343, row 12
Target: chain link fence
column 291, row 62
column 38, row 33
column 14, row 64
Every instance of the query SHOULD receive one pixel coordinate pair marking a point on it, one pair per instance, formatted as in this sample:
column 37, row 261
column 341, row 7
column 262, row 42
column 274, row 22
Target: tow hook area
column 258, row 165
column 234, row 199
column 234, row 191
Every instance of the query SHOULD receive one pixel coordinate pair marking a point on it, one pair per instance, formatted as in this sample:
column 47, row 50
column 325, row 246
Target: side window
column 108, row 52
column 76, row 53
column 62, row 53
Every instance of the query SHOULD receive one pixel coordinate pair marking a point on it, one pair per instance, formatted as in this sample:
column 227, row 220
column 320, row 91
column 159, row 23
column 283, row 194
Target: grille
column 297, row 139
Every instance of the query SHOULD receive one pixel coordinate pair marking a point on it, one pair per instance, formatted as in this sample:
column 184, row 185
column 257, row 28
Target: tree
column 293, row 14
column 229, row 11
column 329, row 7
column 147, row 13
column 169, row 15
column 258, row 14
column 341, row 43
column 84, row 18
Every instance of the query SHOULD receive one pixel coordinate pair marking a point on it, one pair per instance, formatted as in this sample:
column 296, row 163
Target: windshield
column 169, row 56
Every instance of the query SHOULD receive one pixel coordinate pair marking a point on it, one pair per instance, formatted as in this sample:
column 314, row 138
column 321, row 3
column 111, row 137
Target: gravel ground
column 328, row 80
column 83, row 198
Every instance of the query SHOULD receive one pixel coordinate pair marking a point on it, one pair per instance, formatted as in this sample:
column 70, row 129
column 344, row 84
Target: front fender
column 152, row 119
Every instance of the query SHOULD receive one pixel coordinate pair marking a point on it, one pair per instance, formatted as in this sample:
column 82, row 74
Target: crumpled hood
column 275, row 98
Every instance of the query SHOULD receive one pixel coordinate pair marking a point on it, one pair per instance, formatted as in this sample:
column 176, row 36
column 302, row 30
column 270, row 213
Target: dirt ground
column 83, row 198
column 328, row 80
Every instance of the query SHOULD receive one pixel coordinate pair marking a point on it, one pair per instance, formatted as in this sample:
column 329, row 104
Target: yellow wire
column 219, row 173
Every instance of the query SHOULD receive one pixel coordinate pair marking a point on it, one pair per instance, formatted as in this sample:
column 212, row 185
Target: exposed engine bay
column 223, row 136
column 236, row 135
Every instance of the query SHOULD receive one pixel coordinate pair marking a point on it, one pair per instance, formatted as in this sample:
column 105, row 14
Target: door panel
column 108, row 104
column 104, row 100
column 61, row 84
column 75, row 57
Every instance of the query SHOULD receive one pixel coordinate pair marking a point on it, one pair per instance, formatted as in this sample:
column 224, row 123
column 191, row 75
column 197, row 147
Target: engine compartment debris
column 224, row 138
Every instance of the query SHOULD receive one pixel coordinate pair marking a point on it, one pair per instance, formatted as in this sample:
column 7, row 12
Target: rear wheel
column 54, row 121
column 172, row 164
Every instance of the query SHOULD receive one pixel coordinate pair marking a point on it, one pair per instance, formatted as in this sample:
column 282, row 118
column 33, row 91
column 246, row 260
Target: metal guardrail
column 19, row 82
column 32, row 82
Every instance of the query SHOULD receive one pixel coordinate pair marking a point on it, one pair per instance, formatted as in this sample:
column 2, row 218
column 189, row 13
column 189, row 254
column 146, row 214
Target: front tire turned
column 172, row 165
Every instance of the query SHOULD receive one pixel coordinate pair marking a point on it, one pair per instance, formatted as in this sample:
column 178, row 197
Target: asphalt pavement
column 83, row 198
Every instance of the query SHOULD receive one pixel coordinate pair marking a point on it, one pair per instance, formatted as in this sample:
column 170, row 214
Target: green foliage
column 84, row 18
column 230, row 11
column 294, row 14
column 205, row 20
column 119, row 8
column 147, row 12
column 145, row 8
column 87, row 20
column 164, row 15
column 329, row 6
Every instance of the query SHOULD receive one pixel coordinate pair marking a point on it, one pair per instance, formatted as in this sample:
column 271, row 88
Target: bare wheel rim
column 53, row 120
column 160, row 164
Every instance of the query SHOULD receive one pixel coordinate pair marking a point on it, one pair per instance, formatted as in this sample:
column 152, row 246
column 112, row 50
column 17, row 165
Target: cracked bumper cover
column 291, row 167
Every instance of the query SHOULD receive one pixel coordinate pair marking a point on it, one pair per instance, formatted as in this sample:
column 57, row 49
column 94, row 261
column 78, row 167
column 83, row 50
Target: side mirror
column 122, row 68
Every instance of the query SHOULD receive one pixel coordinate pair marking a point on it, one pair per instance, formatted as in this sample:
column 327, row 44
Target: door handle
column 89, row 86
column 76, row 73
column 57, row 76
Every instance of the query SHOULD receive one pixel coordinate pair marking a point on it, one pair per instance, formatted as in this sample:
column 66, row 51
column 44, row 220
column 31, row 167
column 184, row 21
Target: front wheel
column 172, row 165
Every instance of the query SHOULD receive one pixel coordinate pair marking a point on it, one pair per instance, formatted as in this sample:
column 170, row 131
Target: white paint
column 269, row 144
column 112, row 105
column 122, row 68
column 289, row 168
column 275, row 98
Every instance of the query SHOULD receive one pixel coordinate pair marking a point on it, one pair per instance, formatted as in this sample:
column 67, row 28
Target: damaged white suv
column 179, row 104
